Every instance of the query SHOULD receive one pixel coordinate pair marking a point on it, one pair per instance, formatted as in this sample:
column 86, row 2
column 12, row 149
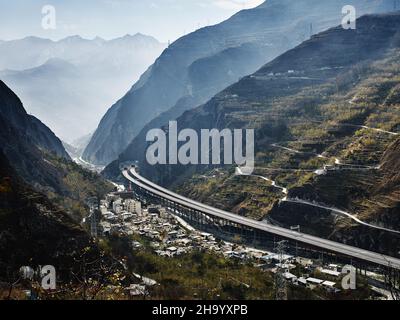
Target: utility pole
column 93, row 223
column 94, row 205
column 298, row 229
column 280, row 282
column 392, row 281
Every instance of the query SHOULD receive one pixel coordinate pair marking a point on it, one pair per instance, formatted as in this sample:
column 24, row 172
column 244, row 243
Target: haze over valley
column 70, row 83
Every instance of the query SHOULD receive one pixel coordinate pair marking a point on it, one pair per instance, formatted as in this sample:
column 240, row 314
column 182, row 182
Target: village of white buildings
column 170, row 236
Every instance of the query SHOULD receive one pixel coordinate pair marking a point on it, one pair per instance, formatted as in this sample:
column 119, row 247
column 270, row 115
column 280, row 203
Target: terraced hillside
column 327, row 120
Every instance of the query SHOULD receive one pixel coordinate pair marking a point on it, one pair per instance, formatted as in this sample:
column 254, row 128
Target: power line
column 280, row 282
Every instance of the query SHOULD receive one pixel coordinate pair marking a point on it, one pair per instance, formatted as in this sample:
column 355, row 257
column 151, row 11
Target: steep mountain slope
column 14, row 117
column 326, row 115
column 89, row 75
column 390, row 167
column 39, row 157
column 189, row 72
column 34, row 232
column 315, row 62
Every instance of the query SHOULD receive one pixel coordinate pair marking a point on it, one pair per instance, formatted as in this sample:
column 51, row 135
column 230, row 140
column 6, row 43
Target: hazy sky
column 163, row 19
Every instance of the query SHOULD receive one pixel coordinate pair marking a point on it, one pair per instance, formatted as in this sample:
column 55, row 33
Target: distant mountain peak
column 57, row 64
column 57, row 61
column 79, row 39
column 135, row 37
column 141, row 35
column 34, row 39
column 74, row 38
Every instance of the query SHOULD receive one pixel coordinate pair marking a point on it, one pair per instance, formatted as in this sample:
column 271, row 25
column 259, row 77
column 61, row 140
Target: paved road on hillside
column 340, row 248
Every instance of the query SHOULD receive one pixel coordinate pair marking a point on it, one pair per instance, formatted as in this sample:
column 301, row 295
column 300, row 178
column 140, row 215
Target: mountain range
column 69, row 83
column 324, row 103
column 325, row 115
column 199, row 65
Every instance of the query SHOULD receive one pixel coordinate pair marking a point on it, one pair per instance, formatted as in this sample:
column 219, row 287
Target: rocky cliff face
column 190, row 71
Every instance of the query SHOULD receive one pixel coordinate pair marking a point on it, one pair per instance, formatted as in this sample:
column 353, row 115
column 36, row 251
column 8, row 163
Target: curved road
column 354, row 252
column 344, row 213
column 316, row 205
